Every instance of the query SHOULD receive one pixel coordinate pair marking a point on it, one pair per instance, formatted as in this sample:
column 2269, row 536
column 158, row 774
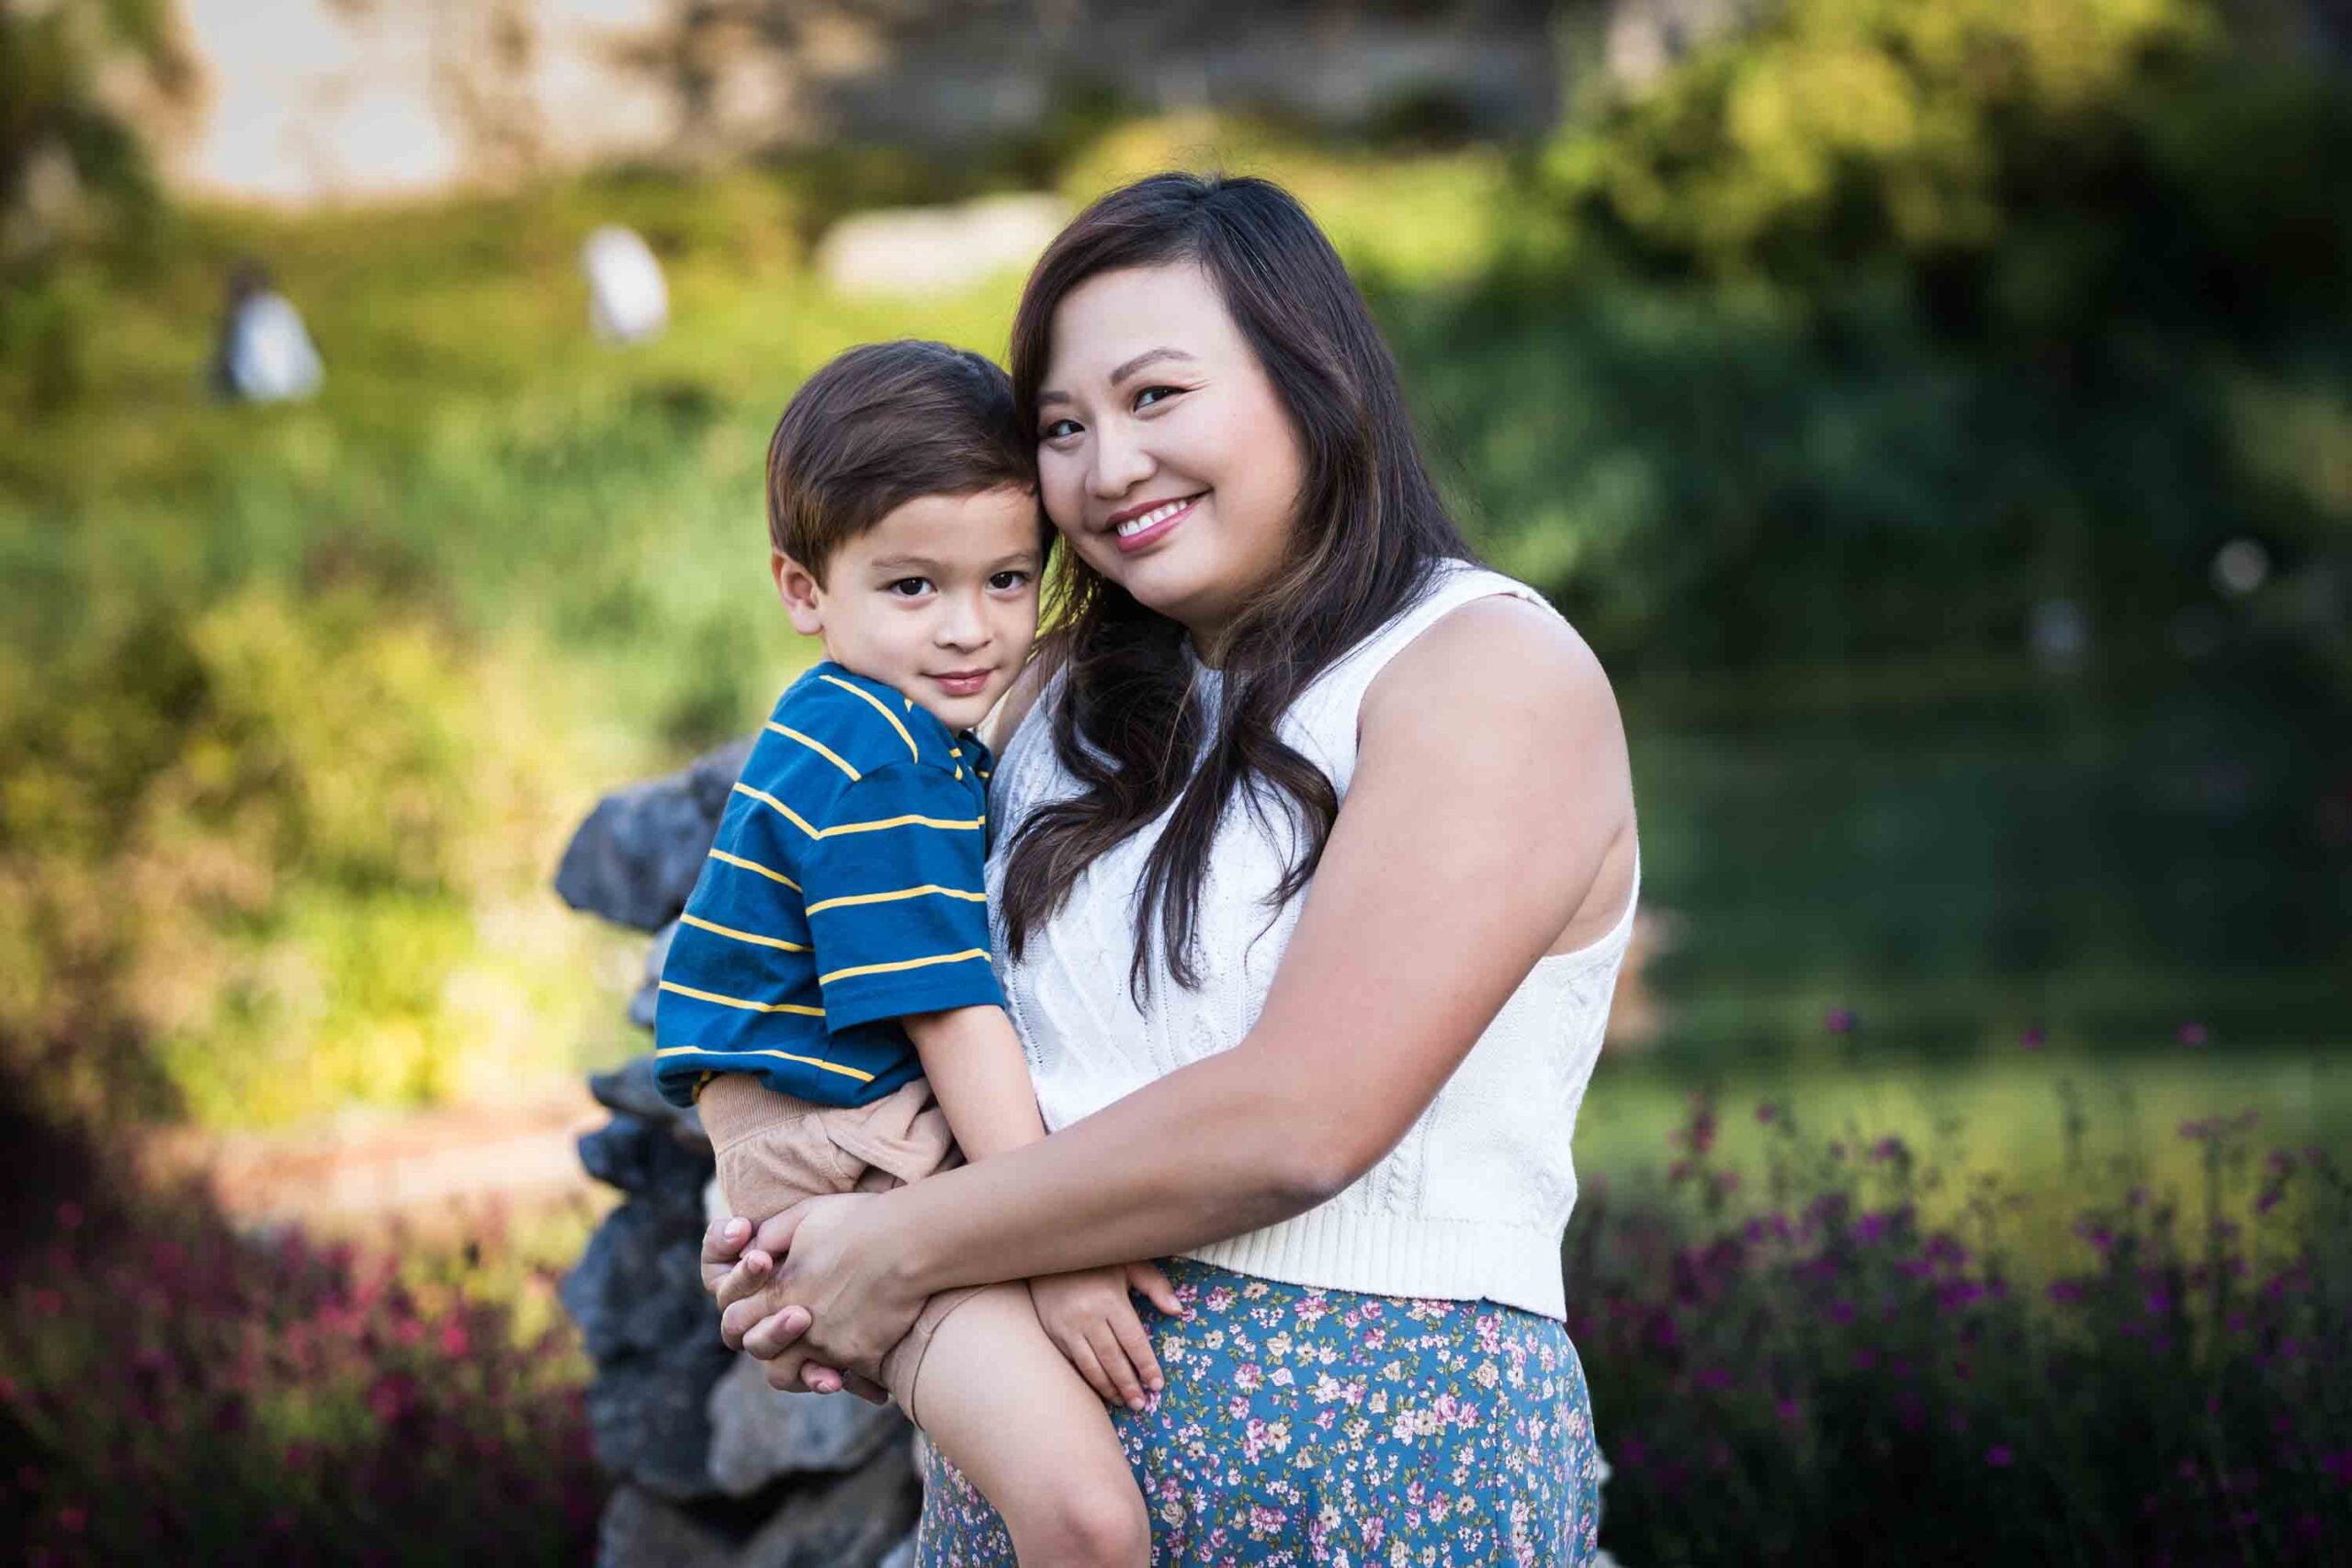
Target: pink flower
column 2192, row 1033
column 1841, row 1021
column 2034, row 1038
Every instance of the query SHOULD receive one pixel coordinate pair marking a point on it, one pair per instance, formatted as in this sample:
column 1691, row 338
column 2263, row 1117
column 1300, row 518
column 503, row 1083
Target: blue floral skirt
column 1307, row 1426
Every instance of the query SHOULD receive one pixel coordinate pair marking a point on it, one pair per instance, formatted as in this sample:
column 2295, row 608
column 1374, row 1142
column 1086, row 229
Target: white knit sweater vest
column 1475, row 1198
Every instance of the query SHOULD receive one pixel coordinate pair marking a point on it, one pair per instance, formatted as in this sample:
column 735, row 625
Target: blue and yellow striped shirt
column 843, row 891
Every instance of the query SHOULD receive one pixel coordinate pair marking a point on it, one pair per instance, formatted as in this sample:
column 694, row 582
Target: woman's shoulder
column 1495, row 670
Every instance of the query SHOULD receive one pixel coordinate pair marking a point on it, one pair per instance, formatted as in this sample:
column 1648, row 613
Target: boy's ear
column 799, row 589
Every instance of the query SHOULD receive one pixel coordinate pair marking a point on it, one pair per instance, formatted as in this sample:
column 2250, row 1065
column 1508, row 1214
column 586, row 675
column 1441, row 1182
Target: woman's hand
column 812, row 1292
column 1088, row 1316
column 729, row 1273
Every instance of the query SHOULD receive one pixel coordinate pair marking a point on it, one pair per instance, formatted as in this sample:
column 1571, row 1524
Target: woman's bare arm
column 1490, row 787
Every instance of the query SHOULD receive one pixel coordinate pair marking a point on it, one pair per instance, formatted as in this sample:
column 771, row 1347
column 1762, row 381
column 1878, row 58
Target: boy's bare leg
column 1016, row 1418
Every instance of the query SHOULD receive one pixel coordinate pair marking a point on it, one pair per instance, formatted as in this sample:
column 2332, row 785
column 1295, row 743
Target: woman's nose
column 1120, row 464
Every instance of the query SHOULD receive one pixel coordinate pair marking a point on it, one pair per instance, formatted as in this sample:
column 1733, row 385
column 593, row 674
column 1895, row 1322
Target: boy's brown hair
column 880, row 425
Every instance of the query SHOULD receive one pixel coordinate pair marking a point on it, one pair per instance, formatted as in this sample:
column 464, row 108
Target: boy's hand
column 1088, row 1316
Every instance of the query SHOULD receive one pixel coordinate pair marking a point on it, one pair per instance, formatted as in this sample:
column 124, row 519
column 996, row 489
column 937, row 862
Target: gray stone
column 649, row 993
column 851, row 1523
column 629, row 1090
column 637, row 856
column 640, row 1531
column 627, row 1154
column 758, row 1433
column 931, row 249
column 638, row 1286
column 650, row 1420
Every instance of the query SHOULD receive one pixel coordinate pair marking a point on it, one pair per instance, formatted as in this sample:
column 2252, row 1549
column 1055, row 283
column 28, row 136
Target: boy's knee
column 1089, row 1526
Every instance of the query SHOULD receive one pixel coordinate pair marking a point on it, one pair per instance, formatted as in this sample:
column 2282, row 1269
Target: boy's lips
column 963, row 683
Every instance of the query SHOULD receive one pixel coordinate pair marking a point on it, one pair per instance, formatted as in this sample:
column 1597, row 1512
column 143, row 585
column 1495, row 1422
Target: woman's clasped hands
column 806, row 1293
column 803, row 1292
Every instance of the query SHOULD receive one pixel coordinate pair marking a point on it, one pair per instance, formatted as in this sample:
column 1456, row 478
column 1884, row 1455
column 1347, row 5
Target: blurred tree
column 71, row 160
column 2027, row 168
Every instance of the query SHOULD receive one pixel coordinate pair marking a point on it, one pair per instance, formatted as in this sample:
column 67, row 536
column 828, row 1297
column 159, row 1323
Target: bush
column 1882, row 1358
column 177, row 1392
column 1866, row 328
column 277, row 855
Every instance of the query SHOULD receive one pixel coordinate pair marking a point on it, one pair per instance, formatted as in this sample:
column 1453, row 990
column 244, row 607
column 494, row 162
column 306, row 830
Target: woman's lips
column 1144, row 538
column 965, row 683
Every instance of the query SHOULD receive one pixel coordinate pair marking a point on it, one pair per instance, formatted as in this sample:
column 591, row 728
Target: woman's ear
column 803, row 595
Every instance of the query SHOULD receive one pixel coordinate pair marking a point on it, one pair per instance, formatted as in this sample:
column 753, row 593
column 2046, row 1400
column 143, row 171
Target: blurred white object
column 628, row 301
column 922, row 249
column 2058, row 633
column 269, row 357
column 2240, row 567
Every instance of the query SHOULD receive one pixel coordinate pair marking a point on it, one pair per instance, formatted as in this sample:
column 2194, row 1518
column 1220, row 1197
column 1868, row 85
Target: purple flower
column 1999, row 1457
column 1841, row 1021
column 1766, row 1114
column 2192, row 1033
column 2034, row 1038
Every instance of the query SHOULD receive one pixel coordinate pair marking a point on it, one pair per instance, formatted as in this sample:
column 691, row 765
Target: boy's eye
column 909, row 587
column 1005, row 581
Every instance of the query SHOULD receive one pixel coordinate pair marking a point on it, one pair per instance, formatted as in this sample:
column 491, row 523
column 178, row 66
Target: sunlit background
column 1938, row 415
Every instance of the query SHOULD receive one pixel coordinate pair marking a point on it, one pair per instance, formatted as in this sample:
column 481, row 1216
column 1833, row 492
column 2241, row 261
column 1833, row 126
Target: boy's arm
column 974, row 1065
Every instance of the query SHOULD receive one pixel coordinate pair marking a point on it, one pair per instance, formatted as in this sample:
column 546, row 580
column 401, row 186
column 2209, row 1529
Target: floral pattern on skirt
column 1309, row 1427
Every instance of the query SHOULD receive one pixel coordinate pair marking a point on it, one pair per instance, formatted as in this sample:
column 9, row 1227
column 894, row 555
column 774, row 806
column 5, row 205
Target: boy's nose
column 963, row 625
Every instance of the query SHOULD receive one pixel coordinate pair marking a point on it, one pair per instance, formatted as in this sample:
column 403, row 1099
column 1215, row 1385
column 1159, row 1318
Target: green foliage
column 1868, row 329
column 278, row 852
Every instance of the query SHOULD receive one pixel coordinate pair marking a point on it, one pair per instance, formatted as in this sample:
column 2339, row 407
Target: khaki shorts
column 774, row 1150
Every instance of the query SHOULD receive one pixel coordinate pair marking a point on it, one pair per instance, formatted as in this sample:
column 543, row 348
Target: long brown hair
column 1368, row 529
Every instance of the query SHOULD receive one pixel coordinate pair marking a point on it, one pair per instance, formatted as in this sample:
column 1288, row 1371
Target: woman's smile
column 1140, row 527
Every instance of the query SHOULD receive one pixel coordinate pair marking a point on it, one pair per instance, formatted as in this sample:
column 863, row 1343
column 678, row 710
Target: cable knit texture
column 1475, row 1198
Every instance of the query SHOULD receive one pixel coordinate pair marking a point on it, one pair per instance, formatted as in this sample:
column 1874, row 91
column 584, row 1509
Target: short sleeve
column 896, row 898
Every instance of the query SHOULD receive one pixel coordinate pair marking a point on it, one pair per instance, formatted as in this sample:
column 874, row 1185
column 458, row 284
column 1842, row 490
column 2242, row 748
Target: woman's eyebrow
column 1150, row 356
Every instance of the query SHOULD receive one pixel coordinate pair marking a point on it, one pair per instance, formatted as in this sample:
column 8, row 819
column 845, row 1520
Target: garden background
column 1938, row 417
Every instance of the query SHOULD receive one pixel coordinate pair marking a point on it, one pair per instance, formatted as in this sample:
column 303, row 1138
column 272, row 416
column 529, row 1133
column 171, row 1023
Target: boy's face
column 939, row 599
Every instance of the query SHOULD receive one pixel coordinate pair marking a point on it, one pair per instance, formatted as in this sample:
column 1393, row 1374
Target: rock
column 758, row 1434
column 851, row 1524
column 637, row 856
column 629, row 301
column 640, row 1006
column 638, row 1530
column 629, row 1090
column 638, row 1288
column 650, row 1417
column 627, row 1154
column 924, row 250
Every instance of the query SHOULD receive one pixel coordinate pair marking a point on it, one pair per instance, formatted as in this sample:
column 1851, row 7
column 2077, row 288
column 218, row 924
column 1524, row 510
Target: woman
column 1316, row 862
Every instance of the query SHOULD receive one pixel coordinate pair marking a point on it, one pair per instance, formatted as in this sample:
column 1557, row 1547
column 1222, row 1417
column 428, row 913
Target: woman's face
column 1164, row 454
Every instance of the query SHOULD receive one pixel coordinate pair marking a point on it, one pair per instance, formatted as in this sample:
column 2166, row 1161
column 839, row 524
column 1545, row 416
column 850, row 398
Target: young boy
column 828, row 1002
